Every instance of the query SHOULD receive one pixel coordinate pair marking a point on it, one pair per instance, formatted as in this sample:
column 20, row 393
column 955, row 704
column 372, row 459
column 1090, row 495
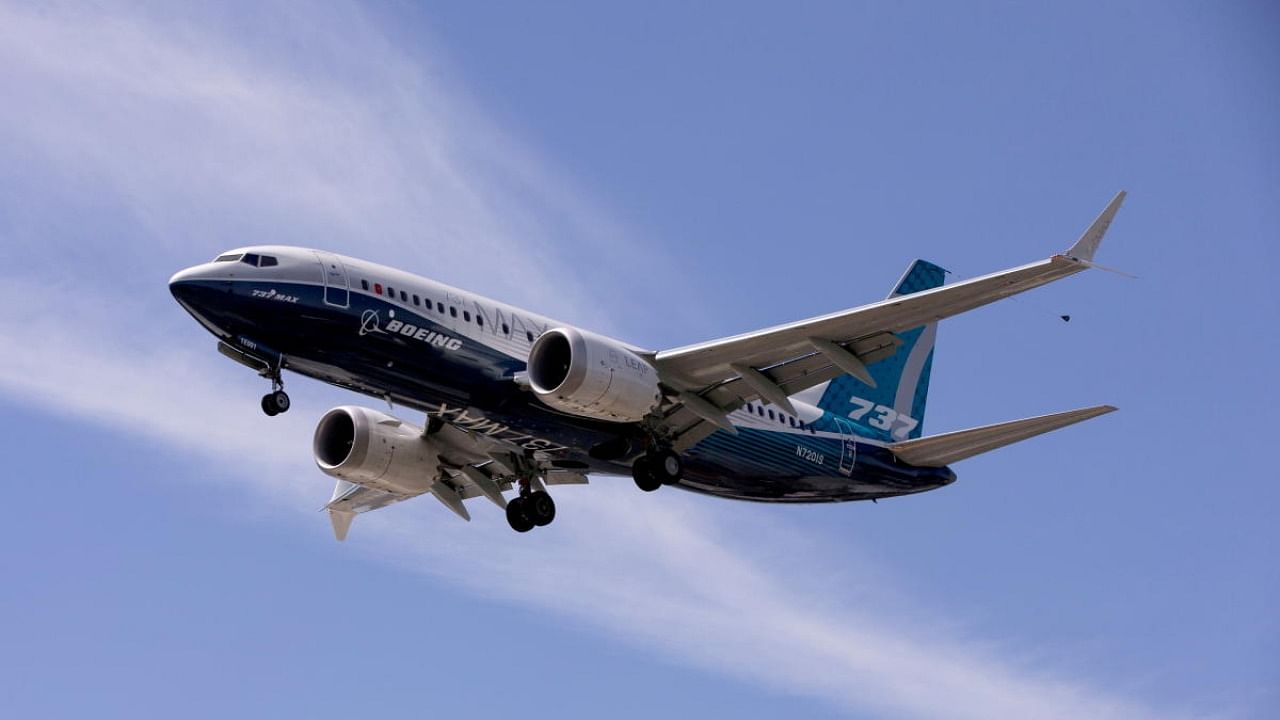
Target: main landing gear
column 531, row 508
column 276, row 401
column 657, row 468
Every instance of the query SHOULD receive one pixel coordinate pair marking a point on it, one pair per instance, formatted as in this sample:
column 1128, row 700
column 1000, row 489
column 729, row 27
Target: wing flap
column 940, row 450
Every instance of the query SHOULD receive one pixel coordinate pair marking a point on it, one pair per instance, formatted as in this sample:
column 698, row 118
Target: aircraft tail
column 892, row 408
column 948, row 448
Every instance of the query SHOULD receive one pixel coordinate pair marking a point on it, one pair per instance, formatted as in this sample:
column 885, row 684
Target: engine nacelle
column 370, row 448
column 591, row 376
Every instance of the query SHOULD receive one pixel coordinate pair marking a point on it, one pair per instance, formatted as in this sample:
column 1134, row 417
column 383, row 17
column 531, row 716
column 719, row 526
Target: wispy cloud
column 186, row 137
column 202, row 140
column 669, row 573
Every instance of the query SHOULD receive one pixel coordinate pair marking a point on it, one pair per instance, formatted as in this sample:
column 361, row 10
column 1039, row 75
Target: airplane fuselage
column 460, row 357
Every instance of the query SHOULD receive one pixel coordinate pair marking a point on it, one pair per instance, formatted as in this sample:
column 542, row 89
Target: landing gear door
column 849, row 449
column 336, row 290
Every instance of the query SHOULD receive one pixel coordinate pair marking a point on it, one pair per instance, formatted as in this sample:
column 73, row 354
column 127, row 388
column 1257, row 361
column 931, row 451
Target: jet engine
column 591, row 376
column 370, row 448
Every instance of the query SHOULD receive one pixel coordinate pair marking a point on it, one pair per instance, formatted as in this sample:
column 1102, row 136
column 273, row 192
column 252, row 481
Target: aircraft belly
column 807, row 489
column 794, row 467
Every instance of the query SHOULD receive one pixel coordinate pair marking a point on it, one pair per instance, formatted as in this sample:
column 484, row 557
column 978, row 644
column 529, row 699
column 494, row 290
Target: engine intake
column 592, row 376
column 371, row 448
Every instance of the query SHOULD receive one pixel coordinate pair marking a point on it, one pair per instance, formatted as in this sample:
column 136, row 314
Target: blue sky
column 666, row 174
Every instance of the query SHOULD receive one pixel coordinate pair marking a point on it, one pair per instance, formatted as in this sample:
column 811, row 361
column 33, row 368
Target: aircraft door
column 849, row 449
column 336, row 290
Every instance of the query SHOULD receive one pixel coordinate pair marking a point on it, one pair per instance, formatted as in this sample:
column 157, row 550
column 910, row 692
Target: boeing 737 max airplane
column 822, row 410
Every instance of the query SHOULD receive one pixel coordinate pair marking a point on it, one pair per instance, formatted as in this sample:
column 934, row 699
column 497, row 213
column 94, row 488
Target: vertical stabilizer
column 893, row 409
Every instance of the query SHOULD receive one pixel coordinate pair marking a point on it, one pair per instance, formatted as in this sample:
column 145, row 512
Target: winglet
column 341, row 520
column 1088, row 243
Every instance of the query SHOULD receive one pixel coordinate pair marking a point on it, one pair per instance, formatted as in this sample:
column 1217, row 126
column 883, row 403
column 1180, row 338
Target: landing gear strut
column 656, row 468
column 531, row 508
column 276, row 401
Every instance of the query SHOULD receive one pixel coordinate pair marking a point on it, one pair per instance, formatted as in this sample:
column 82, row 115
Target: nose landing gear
column 267, row 363
column 276, row 401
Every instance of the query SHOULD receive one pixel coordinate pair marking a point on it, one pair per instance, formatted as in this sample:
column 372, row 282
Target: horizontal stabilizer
column 939, row 450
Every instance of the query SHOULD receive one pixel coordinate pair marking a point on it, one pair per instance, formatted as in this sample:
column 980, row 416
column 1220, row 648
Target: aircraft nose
column 184, row 282
column 186, row 275
column 197, row 285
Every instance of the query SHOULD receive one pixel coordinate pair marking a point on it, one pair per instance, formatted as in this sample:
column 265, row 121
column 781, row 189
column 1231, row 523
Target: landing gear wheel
column 539, row 508
column 645, row 479
column 281, row 400
column 274, row 403
column 516, row 516
column 666, row 466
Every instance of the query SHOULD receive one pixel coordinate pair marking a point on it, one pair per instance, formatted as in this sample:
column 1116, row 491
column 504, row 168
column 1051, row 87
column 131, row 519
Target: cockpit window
column 249, row 259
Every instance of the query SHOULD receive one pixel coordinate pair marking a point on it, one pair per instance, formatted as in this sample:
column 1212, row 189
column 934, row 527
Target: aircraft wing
column 472, row 465
column 350, row 499
column 716, row 377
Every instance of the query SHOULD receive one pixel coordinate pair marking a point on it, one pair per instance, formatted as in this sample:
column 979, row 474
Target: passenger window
column 479, row 320
column 792, row 421
column 529, row 335
column 391, row 292
column 760, row 410
column 466, row 315
column 440, row 307
column 404, row 296
column 506, row 329
column 453, row 312
column 417, row 300
column 250, row 259
column 364, row 284
column 268, row 261
column 377, row 288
